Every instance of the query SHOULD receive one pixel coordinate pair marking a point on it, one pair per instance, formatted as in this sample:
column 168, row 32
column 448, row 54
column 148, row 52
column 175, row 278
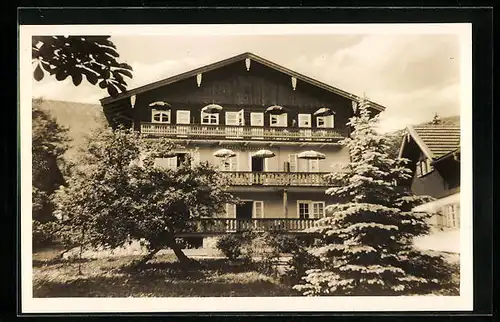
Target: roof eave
column 421, row 144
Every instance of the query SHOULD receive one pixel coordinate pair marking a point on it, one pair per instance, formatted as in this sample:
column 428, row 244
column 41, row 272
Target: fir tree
column 366, row 241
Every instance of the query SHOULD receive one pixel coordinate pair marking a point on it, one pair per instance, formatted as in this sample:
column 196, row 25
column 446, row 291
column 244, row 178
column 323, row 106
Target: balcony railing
column 228, row 225
column 306, row 179
column 240, row 132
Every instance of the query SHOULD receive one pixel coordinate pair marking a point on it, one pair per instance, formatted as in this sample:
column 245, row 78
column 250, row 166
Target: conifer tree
column 366, row 240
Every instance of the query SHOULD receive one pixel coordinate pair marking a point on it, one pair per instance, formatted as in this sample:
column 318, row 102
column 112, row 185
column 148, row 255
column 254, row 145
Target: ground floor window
column 308, row 209
column 451, row 216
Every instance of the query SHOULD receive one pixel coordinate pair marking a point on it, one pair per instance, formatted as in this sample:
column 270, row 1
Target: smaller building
column 434, row 154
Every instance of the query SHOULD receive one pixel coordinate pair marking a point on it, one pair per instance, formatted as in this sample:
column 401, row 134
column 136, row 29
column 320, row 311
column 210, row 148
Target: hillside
column 80, row 119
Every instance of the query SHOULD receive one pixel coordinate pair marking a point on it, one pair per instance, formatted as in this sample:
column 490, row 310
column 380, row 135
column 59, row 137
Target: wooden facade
column 281, row 193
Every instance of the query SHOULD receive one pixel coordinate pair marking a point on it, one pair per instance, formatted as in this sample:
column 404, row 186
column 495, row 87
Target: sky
column 413, row 75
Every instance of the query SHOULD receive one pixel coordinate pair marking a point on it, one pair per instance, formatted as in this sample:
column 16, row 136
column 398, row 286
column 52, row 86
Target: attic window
column 424, row 167
column 160, row 116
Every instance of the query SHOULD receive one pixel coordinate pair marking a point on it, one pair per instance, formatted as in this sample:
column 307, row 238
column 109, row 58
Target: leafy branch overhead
column 94, row 57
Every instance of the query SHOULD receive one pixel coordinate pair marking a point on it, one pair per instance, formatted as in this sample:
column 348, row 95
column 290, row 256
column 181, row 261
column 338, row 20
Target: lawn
column 162, row 277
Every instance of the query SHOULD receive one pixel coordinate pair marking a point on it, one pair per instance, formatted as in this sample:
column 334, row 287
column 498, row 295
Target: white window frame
column 324, row 119
column 233, row 163
column 281, row 120
column 239, row 118
column 265, row 167
column 254, row 209
column 305, row 118
column 230, row 205
column 310, row 165
column 210, row 115
column 293, row 160
column 162, row 114
column 254, row 122
column 322, row 203
column 306, row 202
column 187, row 113
column 171, row 163
column 424, row 167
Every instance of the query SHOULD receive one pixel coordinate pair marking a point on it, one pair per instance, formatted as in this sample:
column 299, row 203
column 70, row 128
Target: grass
column 162, row 277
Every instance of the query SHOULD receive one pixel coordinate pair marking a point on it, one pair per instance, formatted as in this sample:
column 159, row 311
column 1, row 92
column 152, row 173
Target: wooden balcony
column 294, row 179
column 196, row 131
column 233, row 225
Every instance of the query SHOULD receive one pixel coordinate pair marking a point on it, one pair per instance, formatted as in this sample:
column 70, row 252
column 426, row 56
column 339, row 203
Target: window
column 229, row 164
column 160, row 116
column 292, row 158
column 230, row 210
column 304, row 120
column 451, row 216
column 308, row 209
column 183, row 117
column 313, row 165
column 325, row 121
column 424, row 167
column 306, row 165
column 166, row 163
column 209, row 118
column 278, row 120
column 318, row 208
column 258, row 209
column 235, row 118
column 303, row 209
column 256, row 119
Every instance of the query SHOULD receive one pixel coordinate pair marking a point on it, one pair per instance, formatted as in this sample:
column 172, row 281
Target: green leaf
column 38, row 73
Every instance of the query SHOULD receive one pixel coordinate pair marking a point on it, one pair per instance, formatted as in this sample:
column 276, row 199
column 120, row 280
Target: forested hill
column 80, row 119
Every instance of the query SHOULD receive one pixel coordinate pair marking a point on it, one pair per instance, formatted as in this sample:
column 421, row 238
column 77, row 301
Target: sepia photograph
column 246, row 167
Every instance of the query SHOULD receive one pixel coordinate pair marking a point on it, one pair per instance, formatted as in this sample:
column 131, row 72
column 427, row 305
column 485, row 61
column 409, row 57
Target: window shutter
column 258, row 209
column 283, row 120
column 313, row 165
column 256, row 119
column 304, row 120
column 183, row 117
column 292, row 158
column 302, row 165
column 230, row 210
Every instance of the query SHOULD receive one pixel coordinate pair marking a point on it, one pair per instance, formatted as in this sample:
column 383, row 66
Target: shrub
column 43, row 234
column 261, row 251
column 230, row 246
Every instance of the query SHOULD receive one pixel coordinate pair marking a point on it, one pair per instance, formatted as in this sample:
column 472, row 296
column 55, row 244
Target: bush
column 230, row 246
column 43, row 234
column 260, row 250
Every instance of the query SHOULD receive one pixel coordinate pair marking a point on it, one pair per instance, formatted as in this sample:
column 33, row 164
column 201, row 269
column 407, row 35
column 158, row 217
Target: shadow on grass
column 148, row 286
column 55, row 261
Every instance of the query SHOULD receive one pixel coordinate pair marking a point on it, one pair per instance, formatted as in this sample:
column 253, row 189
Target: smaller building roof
column 435, row 140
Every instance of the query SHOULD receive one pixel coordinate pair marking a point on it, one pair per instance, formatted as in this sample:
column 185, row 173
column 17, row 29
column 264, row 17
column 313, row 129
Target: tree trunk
column 149, row 256
column 181, row 257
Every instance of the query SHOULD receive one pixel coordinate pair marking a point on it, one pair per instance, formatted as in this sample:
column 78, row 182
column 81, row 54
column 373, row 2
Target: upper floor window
column 325, row 121
column 229, row 164
column 183, row 117
column 209, row 118
column 257, row 119
column 424, row 167
column 235, row 118
column 160, row 116
column 304, row 120
column 280, row 120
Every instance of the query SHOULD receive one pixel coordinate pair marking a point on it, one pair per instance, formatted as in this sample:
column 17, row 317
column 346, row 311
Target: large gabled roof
column 232, row 60
column 435, row 140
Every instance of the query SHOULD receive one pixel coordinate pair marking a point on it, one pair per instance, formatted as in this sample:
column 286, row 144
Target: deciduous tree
column 121, row 194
